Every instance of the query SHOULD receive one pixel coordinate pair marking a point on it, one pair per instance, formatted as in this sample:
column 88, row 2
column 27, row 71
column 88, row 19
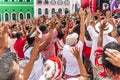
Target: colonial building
column 49, row 7
column 16, row 9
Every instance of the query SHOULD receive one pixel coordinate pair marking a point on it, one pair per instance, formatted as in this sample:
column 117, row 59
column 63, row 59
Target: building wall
column 16, row 7
column 50, row 6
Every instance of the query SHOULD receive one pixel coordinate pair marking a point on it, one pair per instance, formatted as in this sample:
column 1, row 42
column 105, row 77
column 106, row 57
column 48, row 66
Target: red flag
column 92, row 5
column 84, row 3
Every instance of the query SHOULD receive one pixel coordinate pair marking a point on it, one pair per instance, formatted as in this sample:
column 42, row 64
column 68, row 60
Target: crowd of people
column 82, row 46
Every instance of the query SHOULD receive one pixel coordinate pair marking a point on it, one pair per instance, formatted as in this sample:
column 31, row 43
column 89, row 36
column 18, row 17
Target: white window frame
column 20, row 13
column 41, row 11
column 8, row 16
column 30, row 15
column 12, row 17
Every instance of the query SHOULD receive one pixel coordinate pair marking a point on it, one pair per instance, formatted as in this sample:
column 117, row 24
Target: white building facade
column 49, row 7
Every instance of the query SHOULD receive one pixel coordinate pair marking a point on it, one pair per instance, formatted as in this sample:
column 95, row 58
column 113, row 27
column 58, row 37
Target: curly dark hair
column 114, row 69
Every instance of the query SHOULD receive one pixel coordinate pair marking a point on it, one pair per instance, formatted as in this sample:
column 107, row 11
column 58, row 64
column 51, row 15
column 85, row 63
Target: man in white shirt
column 72, row 67
column 72, row 40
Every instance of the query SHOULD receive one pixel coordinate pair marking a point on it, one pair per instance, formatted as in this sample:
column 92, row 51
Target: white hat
column 52, row 69
column 71, row 38
column 107, row 29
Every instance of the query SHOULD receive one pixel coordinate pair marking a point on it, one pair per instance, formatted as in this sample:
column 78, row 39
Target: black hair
column 30, row 40
column 27, row 27
column 13, row 26
column 115, row 17
column 60, row 34
column 95, row 17
column 19, row 34
column 87, row 35
column 114, row 69
column 43, row 27
column 63, row 23
column 77, row 29
column 77, row 21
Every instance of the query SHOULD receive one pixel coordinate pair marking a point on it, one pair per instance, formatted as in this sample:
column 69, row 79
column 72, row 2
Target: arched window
column 46, row 11
column 66, row 10
column 60, row 10
column 13, row 16
column 21, row 15
column 6, row 17
column 53, row 11
column 39, row 11
column 28, row 16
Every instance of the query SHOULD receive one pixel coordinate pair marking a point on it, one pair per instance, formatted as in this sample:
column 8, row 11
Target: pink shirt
column 50, row 49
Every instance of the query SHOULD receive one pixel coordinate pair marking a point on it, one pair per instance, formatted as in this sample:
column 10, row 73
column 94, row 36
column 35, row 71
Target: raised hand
column 103, row 24
column 52, row 23
column 44, row 18
column 58, row 15
column 76, row 52
column 82, row 14
column 5, row 27
column 34, row 22
column 108, row 15
column 113, row 56
column 22, row 22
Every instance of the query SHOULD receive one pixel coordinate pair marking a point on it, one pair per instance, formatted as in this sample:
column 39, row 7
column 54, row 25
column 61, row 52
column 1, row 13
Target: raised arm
column 33, row 57
column 100, row 37
column 82, row 25
column 4, row 41
column 47, row 41
column 83, row 72
column 113, row 57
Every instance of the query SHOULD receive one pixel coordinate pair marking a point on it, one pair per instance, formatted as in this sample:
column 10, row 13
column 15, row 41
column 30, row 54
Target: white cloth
column 42, row 77
column 11, row 44
column 73, row 79
column 37, row 70
column 72, row 67
column 88, row 43
column 94, row 36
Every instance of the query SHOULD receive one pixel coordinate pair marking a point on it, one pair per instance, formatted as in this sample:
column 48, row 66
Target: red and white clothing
column 87, row 48
column 94, row 36
column 98, row 63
